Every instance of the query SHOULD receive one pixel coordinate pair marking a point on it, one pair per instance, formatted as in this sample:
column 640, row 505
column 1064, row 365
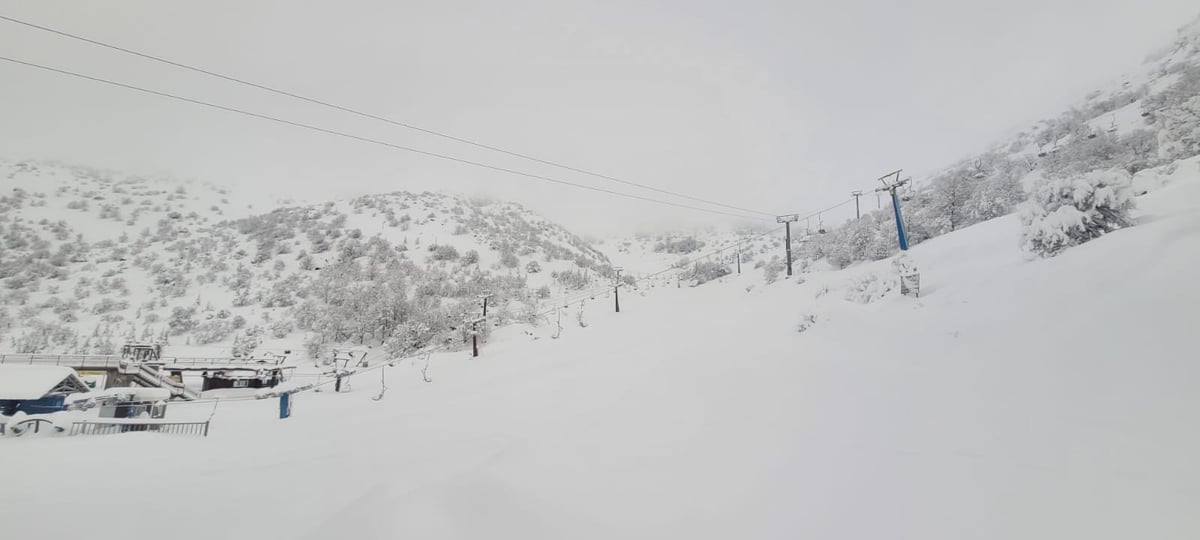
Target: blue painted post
column 285, row 405
column 899, row 221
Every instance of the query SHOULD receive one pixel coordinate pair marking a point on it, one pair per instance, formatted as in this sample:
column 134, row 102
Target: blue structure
column 891, row 189
column 285, row 405
column 37, row 389
column 899, row 221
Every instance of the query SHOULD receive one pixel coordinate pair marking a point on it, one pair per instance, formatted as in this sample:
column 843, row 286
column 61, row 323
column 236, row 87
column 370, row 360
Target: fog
column 779, row 107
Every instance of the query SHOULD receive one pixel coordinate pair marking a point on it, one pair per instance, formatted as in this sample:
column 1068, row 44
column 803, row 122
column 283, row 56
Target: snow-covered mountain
column 1142, row 124
column 91, row 258
column 1012, row 399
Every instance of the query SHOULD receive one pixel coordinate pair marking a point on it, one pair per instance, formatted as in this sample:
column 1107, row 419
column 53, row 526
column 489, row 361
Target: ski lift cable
column 751, row 237
column 376, row 117
column 360, row 138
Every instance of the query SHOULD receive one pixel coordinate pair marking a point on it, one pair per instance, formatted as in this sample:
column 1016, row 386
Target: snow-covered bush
column 533, row 267
column 211, row 331
column 280, row 328
column 771, row 272
column 806, row 322
column 245, row 343
column 182, row 320
column 870, row 288
column 1065, row 212
column 107, row 305
column 444, row 253
column 683, row 245
column 705, row 271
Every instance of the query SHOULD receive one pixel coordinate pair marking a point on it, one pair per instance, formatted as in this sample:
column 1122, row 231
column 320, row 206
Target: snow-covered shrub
column 870, row 288
column 806, row 322
column 280, row 328
column 108, row 305
column 771, row 272
column 211, row 331
column 533, row 267
column 683, row 245
column 470, row 257
column 1065, row 212
column 244, row 344
column 705, row 271
column 444, row 253
column 571, row 279
column 509, row 259
column 182, row 320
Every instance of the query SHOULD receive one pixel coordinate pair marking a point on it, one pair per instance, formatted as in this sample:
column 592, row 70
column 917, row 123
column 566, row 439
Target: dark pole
column 788, row 227
column 475, row 339
column 485, row 306
column 857, row 213
column 739, row 256
column 617, row 291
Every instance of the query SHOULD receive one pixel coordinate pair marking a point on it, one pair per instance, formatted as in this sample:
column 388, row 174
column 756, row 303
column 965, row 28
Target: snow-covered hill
column 90, row 259
column 1016, row 398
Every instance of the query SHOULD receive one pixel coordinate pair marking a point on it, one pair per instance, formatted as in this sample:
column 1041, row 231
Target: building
column 251, row 377
column 37, row 389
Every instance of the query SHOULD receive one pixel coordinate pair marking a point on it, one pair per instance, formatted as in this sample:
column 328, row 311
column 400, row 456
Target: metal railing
column 199, row 429
column 112, row 361
column 154, row 377
column 66, row 360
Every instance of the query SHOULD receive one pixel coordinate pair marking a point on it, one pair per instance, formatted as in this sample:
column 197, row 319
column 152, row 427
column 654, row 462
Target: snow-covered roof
column 34, row 382
column 138, row 392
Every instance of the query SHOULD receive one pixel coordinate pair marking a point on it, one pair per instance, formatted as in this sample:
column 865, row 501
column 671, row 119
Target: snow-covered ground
column 1014, row 399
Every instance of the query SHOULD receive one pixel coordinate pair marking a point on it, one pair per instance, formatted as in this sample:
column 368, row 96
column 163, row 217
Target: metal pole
column 617, row 291
column 900, row 232
column 857, row 212
column 739, row 258
column 788, row 228
column 474, row 339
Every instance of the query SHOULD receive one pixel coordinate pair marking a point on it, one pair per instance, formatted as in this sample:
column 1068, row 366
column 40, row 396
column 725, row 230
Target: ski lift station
column 143, row 365
column 37, row 389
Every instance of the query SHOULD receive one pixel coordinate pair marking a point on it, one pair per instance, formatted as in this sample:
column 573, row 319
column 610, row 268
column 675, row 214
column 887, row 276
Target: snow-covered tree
column 1065, row 212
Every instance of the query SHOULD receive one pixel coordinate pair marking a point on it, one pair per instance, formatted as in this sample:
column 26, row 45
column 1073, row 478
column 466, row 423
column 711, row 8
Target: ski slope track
column 1014, row 399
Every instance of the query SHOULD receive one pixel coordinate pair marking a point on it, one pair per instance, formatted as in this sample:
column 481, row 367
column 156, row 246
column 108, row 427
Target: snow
column 1014, row 399
column 30, row 382
column 137, row 392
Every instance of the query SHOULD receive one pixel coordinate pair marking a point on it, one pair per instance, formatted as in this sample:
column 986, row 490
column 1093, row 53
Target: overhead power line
column 372, row 141
column 377, row 117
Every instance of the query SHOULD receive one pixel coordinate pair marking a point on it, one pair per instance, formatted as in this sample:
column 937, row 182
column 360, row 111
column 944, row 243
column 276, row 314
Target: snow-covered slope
column 89, row 259
column 1014, row 399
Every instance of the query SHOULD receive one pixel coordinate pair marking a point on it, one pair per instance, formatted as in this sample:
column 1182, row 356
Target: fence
column 99, row 361
column 171, row 428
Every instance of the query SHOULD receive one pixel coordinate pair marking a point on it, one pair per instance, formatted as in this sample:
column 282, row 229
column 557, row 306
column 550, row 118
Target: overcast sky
column 776, row 106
